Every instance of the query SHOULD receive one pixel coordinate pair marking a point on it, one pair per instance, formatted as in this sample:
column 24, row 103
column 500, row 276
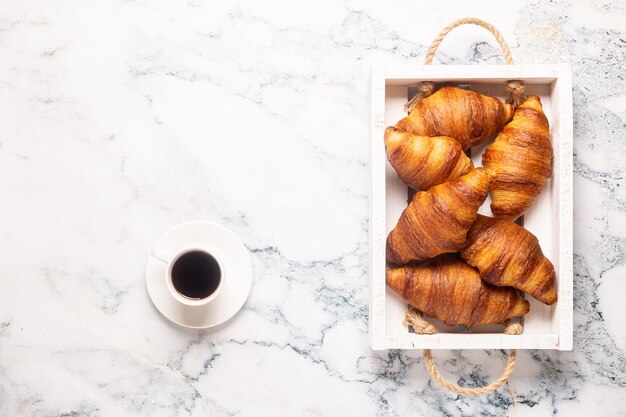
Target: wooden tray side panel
column 377, row 214
column 564, row 320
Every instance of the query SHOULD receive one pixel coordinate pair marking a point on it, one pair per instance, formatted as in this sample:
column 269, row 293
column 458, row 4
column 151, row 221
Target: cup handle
column 161, row 255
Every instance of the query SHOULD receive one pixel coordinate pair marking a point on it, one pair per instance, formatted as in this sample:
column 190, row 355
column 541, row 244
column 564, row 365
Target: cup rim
column 191, row 302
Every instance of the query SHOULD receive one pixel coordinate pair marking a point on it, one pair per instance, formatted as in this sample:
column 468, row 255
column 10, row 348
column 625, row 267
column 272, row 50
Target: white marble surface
column 122, row 118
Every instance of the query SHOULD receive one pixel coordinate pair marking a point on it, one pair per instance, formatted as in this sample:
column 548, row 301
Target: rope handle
column 415, row 319
column 508, row 58
column 471, row 392
column 515, row 88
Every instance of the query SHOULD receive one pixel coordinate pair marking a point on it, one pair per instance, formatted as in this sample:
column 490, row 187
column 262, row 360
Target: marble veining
column 121, row 119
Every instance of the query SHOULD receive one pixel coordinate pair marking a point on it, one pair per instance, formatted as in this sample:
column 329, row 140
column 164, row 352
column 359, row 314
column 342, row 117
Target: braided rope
column 516, row 88
column 416, row 320
column 508, row 58
column 472, row 392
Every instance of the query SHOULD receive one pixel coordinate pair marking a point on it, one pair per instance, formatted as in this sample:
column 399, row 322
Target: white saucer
column 236, row 274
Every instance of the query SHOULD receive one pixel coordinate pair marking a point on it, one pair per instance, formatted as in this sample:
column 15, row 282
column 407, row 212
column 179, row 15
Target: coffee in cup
column 196, row 274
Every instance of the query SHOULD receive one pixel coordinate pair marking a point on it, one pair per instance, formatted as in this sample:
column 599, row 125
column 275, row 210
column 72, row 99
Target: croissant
column 450, row 290
column 465, row 115
column 522, row 158
column 424, row 161
column 437, row 221
column 507, row 254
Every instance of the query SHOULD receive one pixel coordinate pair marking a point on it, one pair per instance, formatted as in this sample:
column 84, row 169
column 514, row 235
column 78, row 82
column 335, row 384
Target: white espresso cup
column 193, row 276
column 198, row 274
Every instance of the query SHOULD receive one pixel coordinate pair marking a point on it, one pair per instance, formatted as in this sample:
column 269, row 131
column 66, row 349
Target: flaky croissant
column 507, row 254
column 424, row 161
column 465, row 115
column 450, row 290
column 437, row 221
column 521, row 156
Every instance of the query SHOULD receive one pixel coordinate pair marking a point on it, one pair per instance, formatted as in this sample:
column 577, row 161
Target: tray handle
column 416, row 321
column 516, row 88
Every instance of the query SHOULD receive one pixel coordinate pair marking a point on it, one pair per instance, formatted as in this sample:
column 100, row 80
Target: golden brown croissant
column 437, row 220
column 424, row 161
column 521, row 156
column 450, row 290
column 508, row 254
column 465, row 115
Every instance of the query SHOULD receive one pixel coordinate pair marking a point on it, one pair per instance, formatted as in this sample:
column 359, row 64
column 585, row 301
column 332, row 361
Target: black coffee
column 196, row 275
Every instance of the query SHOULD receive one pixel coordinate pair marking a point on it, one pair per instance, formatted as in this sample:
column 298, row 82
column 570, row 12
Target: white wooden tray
column 550, row 218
